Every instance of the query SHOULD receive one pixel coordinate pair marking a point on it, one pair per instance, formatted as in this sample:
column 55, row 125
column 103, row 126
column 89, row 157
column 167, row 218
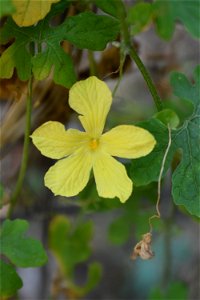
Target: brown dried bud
column 143, row 248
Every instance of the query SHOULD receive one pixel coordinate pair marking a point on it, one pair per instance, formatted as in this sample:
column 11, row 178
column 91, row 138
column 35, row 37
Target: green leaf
column 146, row 169
column 49, row 54
column 163, row 17
column 176, row 290
column 167, row 12
column 90, row 31
column 168, row 116
column 112, row 7
column 37, row 48
column 186, row 178
column 69, row 245
column 10, row 282
column 139, row 15
column 18, row 248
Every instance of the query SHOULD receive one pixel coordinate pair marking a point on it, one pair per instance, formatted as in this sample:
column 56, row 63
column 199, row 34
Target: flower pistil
column 94, row 144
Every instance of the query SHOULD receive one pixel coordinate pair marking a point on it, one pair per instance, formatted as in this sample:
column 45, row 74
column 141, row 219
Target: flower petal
column 55, row 142
column 128, row 141
column 111, row 177
column 70, row 175
column 91, row 98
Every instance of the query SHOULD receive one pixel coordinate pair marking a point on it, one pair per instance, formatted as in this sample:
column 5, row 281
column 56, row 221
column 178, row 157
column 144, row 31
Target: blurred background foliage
column 88, row 239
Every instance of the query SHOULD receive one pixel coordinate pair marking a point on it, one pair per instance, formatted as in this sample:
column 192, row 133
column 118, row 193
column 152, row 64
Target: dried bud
column 143, row 248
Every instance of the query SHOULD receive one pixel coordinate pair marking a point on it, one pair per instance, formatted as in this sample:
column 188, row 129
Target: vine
column 25, row 154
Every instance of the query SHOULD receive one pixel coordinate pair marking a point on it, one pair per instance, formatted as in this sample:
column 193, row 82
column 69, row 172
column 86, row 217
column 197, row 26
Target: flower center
column 94, row 144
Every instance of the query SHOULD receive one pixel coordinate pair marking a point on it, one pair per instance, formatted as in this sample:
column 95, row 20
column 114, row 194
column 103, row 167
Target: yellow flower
column 83, row 151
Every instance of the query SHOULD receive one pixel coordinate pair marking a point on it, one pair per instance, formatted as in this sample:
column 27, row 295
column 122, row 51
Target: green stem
column 147, row 78
column 92, row 63
column 129, row 49
column 24, row 162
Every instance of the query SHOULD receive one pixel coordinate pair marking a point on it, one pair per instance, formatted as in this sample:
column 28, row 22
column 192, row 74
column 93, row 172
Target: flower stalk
column 133, row 54
column 129, row 49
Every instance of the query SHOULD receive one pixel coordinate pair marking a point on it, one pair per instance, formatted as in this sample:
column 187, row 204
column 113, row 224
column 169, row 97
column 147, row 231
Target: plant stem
column 24, row 162
column 129, row 49
column 147, row 78
column 92, row 63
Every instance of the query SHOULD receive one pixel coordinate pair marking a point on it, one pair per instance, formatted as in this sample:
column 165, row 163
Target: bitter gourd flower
column 82, row 151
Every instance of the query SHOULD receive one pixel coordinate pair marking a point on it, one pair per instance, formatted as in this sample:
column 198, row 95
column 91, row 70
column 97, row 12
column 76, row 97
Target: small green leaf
column 112, row 7
column 168, row 116
column 70, row 246
column 186, row 178
column 10, row 282
column 139, row 15
column 163, row 17
column 90, row 31
column 6, row 8
column 167, row 12
column 20, row 249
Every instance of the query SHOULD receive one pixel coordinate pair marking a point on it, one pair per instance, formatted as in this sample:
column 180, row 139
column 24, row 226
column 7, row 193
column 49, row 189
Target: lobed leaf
column 139, row 16
column 69, row 246
column 167, row 12
column 37, row 48
column 18, row 248
column 186, row 177
column 49, row 54
column 146, row 169
column 90, row 31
